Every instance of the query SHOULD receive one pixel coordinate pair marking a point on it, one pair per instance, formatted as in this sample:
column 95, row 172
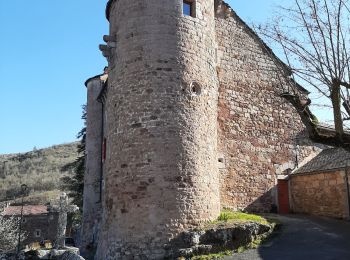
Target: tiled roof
column 329, row 159
column 27, row 210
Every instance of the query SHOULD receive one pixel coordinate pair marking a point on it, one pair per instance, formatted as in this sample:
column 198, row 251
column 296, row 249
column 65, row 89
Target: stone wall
column 322, row 193
column 45, row 224
column 188, row 96
column 93, row 171
column 257, row 127
column 161, row 174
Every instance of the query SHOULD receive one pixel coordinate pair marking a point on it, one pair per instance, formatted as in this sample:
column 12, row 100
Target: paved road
column 304, row 238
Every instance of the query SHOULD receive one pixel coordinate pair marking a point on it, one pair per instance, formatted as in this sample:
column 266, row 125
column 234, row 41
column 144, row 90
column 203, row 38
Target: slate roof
column 27, row 210
column 329, row 159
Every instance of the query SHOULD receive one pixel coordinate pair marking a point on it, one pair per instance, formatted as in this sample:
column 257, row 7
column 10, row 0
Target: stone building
column 194, row 117
column 321, row 186
column 38, row 221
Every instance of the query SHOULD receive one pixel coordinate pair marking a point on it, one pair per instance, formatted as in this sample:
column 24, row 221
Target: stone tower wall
column 92, row 177
column 257, row 127
column 161, row 173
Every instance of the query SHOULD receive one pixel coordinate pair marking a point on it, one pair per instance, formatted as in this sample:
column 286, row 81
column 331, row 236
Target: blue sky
column 47, row 50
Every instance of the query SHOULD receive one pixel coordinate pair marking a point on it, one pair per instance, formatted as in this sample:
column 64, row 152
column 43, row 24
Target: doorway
column 283, row 197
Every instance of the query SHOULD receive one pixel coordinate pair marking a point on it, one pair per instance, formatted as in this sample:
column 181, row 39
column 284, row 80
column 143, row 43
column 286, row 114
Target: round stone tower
column 161, row 169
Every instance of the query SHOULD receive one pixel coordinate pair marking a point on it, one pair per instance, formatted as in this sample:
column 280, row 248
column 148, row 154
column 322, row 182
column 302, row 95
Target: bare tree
column 9, row 228
column 314, row 37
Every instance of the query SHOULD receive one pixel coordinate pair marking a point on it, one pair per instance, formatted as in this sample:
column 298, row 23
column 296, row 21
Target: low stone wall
column 322, row 194
column 217, row 238
column 71, row 253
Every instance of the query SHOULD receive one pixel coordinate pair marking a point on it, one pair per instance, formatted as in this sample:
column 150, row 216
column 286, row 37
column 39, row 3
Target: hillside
column 40, row 170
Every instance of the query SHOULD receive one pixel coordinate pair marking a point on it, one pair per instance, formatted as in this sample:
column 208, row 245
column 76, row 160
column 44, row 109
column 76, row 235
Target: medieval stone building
column 322, row 186
column 192, row 118
column 39, row 222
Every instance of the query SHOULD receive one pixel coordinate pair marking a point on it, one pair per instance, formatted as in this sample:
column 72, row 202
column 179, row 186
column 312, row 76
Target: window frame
column 192, row 5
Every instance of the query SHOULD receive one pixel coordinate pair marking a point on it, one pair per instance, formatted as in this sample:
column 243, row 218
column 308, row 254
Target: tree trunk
column 336, row 102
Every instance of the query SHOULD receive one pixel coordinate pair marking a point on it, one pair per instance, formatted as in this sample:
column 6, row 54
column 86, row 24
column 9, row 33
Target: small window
column 188, row 8
column 221, row 161
column 195, row 89
column 37, row 233
column 104, row 149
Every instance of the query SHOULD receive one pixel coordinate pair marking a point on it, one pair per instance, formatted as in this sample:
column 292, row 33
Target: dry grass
column 40, row 170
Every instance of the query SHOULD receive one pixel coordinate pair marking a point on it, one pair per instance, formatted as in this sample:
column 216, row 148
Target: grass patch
column 254, row 244
column 231, row 216
column 213, row 256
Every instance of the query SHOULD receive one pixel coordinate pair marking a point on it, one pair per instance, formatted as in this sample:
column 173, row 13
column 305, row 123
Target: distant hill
column 40, row 170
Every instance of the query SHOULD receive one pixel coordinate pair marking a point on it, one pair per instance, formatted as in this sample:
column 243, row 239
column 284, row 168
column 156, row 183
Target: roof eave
column 320, row 171
column 287, row 69
column 92, row 78
column 108, row 8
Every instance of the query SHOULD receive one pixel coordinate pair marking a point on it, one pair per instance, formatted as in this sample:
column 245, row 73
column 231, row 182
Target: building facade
column 322, row 186
column 193, row 118
column 39, row 223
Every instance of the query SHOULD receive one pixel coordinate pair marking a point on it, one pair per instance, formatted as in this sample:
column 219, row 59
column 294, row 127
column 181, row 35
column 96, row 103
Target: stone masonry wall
column 92, row 177
column 188, row 96
column 161, row 174
column 322, row 194
column 257, row 127
column 46, row 224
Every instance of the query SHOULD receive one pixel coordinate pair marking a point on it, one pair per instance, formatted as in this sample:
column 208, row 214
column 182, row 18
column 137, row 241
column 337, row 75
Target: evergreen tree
column 74, row 185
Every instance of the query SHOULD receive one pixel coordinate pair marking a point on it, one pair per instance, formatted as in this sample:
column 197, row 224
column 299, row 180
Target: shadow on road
column 304, row 237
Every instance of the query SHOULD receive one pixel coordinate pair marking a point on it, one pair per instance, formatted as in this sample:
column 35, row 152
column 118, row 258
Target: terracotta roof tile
column 27, row 210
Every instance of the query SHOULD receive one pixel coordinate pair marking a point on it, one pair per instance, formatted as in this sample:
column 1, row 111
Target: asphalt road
column 304, row 238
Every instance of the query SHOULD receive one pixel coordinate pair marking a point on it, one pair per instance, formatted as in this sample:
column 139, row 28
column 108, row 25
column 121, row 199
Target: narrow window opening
column 221, row 161
column 188, row 8
column 104, row 149
column 195, row 89
column 37, row 233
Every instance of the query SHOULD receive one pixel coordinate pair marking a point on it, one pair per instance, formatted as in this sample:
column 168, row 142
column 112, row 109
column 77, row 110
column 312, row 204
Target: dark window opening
column 188, row 8
column 37, row 233
column 104, row 149
column 195, row 89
